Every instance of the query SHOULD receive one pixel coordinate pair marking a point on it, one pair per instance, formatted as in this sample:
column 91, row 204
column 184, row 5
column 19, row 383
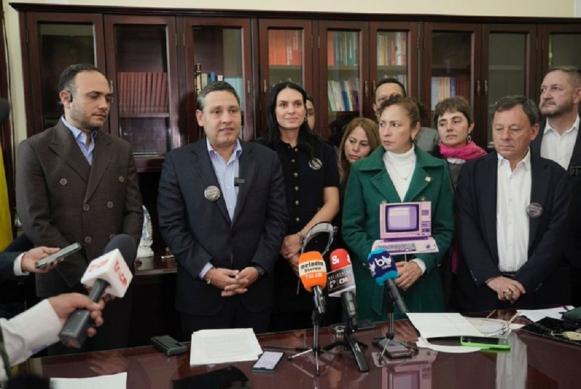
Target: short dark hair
column 453, row 104
column 67, row 77
column 409, row 104
column 528, row 106
column 216, row 86
column 390, row 80
column 573, row 72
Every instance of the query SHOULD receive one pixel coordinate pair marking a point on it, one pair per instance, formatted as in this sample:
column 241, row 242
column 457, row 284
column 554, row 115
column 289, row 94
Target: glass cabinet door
column 393, row 54
column 285, row 55
column 56, row 43
column 451, row 67
column 564, row 49
column 144, row 82
column 508, row 69
column 343, row 75
column 218, row 50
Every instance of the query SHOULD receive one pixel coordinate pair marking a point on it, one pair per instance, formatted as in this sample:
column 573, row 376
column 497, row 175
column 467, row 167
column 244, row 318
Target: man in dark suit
column 76, row 183
column 559, row 138
column 222, row 212
column 511, row 206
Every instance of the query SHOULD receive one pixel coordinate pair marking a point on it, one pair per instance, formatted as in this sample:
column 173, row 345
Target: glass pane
column 506, row 69
column 564, row 50
column 285, row 56
column 218, row 56
column 343, row 76
column 61, row 45
column 143, row 89
column 451, row 65
column 392, row 59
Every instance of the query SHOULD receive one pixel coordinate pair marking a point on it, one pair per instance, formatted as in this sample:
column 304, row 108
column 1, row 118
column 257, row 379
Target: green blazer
column 368, row 186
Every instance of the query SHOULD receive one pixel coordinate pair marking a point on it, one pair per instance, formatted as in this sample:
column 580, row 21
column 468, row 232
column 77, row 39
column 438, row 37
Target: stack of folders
column 224, row 346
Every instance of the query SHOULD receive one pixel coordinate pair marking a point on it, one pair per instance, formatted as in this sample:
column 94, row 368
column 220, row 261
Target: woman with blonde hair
column 360, row 138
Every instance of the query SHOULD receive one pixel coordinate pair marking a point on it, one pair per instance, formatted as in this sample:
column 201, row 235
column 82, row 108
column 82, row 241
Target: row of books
column 343, row 95
column 203, row 79
column 285, row 48
column 444, row 87
column 342, row 48
column 392, row 49
column 142, row 92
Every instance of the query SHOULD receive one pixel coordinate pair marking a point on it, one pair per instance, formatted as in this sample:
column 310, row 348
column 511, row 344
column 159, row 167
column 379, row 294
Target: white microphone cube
column 112, row 268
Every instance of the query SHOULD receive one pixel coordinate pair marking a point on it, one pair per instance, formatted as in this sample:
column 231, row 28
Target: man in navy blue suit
column 511, row 206
column 222, row 212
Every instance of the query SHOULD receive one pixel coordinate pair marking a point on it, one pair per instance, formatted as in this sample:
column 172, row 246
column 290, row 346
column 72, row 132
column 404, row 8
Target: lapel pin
column 534, row 210
column 315, row 164
column 428, row 179
column 212, row 193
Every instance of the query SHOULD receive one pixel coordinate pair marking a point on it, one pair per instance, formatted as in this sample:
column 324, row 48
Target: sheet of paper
column 538, row 314
column 440, row 325
column 423, row 343
column 113, row 381
column 224, row 346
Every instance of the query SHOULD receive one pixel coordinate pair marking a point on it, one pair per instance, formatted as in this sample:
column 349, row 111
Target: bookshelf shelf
column 129, row 115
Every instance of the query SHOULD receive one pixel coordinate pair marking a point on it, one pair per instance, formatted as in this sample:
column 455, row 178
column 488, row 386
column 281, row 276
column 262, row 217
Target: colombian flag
column 5, row 218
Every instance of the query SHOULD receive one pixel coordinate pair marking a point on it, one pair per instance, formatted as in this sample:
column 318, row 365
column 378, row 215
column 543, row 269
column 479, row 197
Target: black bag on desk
column 551, row 328
column 227, row 378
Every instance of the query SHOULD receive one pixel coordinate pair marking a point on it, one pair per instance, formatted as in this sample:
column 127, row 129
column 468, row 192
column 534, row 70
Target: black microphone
column 4, row 110
column 107, row 271
column 342, row 283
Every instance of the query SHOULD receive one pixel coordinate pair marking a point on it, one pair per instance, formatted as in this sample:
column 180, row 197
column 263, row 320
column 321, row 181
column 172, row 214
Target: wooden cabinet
column 338, row 59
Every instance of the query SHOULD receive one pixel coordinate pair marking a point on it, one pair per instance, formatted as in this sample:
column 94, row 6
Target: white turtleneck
column 400, row 168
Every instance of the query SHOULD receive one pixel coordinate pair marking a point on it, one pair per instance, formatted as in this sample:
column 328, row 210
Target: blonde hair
column 371, row 131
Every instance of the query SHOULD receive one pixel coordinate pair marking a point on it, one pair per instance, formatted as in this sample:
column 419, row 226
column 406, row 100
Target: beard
column 553, row 110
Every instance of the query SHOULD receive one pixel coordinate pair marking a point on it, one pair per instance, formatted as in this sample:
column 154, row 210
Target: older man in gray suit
column 76, row 183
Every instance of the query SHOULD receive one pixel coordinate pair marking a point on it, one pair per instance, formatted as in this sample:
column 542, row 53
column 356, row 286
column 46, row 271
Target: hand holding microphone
column 384, row 271
column 313, row 275
column 108, row 273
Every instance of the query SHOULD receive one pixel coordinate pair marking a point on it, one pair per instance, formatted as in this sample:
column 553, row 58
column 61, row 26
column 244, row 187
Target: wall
column 533, row 8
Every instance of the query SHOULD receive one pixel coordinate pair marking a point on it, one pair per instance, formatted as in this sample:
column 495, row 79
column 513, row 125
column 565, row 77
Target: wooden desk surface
column 537, row 362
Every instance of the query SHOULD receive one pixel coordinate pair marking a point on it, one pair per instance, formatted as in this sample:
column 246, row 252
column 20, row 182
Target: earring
column 469, row 138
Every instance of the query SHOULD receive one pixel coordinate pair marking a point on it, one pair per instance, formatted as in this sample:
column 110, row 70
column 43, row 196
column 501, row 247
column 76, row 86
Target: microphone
column 4, row 110
column 342, row 283
column 110, row 273
column 313, row 275
column 384, row 271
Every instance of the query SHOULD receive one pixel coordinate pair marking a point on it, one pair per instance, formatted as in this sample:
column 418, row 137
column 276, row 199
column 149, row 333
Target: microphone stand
column 315, row 349
column 388, row 344
column 350, row 342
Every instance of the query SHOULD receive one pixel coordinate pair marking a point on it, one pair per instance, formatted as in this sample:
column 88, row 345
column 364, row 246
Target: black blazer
column 544, row 275
column 574, row 169
column 198, row 230
column 7, row 265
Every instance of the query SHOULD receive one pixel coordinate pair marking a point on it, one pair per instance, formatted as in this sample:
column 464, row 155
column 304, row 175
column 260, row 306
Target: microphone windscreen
column 340, row 259
column 312, row 270
column 381, row 266
column 4, row 110
column 126, row 245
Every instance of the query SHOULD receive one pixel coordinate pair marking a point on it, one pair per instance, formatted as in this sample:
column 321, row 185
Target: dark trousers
column 232, row 315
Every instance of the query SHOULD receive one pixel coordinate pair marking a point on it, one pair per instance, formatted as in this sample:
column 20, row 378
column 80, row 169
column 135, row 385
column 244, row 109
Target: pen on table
column 512, row 318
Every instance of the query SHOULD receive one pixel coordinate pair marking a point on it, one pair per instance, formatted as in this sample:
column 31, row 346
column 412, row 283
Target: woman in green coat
column 397, row 172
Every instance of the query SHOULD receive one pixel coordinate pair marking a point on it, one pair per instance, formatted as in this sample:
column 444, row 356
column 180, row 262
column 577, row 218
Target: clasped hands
column 506, row 288
column 232, row 282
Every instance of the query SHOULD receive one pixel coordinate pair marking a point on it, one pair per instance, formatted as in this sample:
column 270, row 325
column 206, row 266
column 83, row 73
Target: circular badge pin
column 315, row 164
column 534, row 210
column 212, row 193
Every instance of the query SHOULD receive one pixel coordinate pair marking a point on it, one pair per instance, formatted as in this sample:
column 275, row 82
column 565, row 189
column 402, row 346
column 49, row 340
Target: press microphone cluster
column 110, row 273
column 313, row 275
column 384, row 271
column 342, row 283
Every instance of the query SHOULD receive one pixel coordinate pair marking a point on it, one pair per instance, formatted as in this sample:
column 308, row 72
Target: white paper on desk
column 440, row 325
column 423, row 343
column 224, row 346
column 538, row 314
column 113, row 381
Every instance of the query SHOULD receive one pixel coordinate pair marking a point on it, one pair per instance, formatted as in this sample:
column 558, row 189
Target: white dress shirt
column 557, row 147
column 513, row 196
column 28, row 333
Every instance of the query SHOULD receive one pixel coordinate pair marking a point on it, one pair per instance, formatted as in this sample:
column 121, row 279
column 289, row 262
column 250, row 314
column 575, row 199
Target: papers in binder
column 224, row 346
